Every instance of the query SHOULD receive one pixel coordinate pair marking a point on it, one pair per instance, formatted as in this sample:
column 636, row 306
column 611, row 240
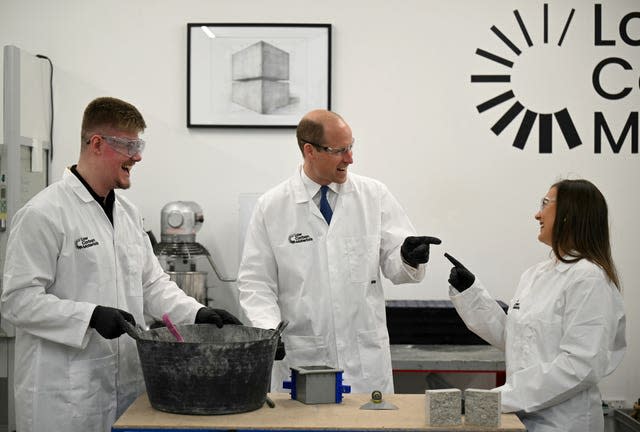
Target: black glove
column 280, row 351
column 415, row 250
column 219, row 317
column 460, row 278
column 106, row 321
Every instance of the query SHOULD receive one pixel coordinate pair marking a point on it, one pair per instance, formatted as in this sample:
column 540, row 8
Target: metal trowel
column 376, row 403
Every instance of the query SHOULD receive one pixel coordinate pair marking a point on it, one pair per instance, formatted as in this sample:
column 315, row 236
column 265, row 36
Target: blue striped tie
column 325, row 208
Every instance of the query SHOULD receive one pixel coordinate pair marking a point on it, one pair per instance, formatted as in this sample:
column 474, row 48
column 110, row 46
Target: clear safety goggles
column 545, row 202
column 125, row 146
column 333, row 150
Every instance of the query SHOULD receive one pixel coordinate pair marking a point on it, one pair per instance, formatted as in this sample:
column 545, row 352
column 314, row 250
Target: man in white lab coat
column 78, row 262
column 312, row 256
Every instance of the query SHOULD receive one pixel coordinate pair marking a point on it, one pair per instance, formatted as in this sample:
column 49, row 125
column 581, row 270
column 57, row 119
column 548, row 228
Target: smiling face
column 323, row 167
column 547, row 216
column 106, row 151
column 106, row 166
column 120, row 163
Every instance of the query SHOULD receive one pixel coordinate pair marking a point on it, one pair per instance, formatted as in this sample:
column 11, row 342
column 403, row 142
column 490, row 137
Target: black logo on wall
column 507, row 101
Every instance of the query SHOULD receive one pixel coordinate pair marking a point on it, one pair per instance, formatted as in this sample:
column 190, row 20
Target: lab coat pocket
column 133, row 258
column 544, row 339
column 534, row 341
column 92, row 386
column 295, row 261
column 363, row 257
column 133, row 262
column 375, row 357
column 307, row 350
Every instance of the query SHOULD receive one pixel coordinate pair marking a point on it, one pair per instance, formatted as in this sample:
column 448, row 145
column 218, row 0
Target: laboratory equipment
column 180, row 255
column 316, row 384
column 25, row 145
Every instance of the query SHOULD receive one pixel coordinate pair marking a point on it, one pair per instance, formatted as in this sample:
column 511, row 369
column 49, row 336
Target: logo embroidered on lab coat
column 85, row 242
column 516, row 305
column 299, row 238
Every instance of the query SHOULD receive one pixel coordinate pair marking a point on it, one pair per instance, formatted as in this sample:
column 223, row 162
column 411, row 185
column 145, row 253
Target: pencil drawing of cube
column 260, row 76
column 260, row 61
column 482, row 407
column 443, row 407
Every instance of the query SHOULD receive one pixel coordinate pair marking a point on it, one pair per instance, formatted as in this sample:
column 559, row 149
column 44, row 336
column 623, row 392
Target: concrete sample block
column 482, row 407
column 443, row 407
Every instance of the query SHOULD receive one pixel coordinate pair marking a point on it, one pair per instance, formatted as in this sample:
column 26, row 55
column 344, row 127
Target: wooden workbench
column 290, row 414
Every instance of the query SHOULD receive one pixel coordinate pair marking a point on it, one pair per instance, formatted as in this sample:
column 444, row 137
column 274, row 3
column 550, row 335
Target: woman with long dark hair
column 565, row 326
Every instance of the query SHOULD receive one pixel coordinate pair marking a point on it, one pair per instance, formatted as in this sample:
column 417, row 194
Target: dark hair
column 111, row 112
column 581, row 227
column 309, row 131
column 311, row 127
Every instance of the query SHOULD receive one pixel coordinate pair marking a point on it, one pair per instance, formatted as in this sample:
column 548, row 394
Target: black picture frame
column 256, row 75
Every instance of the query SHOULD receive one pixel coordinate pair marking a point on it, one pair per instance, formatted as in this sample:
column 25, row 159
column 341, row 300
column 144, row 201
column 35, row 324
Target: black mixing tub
column 214, row 371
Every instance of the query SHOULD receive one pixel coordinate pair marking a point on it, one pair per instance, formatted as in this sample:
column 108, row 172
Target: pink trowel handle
column 174, row 331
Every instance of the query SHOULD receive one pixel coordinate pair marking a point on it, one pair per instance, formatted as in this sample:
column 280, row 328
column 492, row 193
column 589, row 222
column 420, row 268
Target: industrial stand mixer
column 181, row 257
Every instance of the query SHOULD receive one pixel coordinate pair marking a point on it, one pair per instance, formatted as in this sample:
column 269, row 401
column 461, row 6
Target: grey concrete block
column 443, row 407
column 482, row 407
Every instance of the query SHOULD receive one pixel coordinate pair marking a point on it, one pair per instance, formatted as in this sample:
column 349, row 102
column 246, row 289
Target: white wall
column 401, row 77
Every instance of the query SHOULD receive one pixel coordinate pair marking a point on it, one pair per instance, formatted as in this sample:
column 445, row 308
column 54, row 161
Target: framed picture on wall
column 256, row 75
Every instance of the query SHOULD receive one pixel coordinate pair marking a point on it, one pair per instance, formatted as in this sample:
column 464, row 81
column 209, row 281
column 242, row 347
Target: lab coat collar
column 77, row 186
column 301, row 193
column 562, row 266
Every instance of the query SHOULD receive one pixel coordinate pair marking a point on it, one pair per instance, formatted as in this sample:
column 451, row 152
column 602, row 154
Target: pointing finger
column 432, row 240
column 453, row 261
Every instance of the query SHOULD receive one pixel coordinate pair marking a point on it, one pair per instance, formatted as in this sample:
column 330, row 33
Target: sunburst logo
column 544, row 119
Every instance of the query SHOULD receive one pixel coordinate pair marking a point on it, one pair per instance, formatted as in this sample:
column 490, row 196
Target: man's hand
column 415, row 250
column 460, row 278
column 219, row 317
column 106, row 321
column 280, row 351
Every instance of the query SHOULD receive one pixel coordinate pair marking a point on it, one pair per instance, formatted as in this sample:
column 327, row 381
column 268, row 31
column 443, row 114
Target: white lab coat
column 64, row 258
column 325, row 280
column 564, row 331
